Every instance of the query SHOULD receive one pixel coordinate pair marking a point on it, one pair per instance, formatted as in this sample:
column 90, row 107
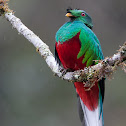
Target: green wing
column 90, row 47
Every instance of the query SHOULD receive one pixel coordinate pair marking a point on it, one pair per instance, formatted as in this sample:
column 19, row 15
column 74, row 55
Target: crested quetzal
column 77, row 47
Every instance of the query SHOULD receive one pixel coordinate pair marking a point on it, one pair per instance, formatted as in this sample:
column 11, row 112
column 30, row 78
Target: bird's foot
column 88, row 85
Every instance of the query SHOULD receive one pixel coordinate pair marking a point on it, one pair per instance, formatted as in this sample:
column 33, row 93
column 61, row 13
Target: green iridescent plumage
column 90, row 46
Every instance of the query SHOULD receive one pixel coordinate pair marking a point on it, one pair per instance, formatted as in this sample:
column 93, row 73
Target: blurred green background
column 30, row 95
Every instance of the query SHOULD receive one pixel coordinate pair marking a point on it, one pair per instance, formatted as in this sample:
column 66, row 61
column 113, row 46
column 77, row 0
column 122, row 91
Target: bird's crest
column 69, row 8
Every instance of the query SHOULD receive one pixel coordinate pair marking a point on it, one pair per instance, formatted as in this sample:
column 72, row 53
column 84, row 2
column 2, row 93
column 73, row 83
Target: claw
column 89, row 85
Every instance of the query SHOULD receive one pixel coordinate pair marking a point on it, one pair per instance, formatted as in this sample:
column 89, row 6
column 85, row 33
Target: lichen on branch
column 4, row 8
column 105, row 68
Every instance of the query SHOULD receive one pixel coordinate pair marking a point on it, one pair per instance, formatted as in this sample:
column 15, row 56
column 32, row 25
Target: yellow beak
column 69, row 15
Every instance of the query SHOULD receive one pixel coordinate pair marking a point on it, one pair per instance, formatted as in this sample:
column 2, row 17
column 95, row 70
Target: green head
column 81, row 16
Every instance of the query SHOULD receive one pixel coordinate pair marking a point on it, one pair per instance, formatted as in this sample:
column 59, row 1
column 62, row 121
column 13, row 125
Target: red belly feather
column 67, row 53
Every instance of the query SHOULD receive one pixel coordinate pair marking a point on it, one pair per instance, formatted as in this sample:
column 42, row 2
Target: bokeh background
column 30, row 95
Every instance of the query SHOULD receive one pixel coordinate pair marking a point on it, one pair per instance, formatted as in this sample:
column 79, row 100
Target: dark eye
column 83, row 14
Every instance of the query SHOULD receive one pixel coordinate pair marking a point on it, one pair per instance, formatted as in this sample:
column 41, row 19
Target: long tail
column 90, row 104
column 88, row 117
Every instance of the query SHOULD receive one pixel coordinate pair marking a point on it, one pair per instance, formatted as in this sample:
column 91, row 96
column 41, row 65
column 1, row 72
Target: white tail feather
column 92, row 117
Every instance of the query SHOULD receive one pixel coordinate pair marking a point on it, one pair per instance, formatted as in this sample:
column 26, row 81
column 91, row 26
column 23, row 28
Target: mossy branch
column 88, row 75
column 4, row 8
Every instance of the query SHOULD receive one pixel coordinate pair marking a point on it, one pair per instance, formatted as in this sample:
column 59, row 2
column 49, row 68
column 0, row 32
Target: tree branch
column 88, row 76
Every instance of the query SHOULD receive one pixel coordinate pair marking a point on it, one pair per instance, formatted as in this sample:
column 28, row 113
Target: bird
column 76, row 47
